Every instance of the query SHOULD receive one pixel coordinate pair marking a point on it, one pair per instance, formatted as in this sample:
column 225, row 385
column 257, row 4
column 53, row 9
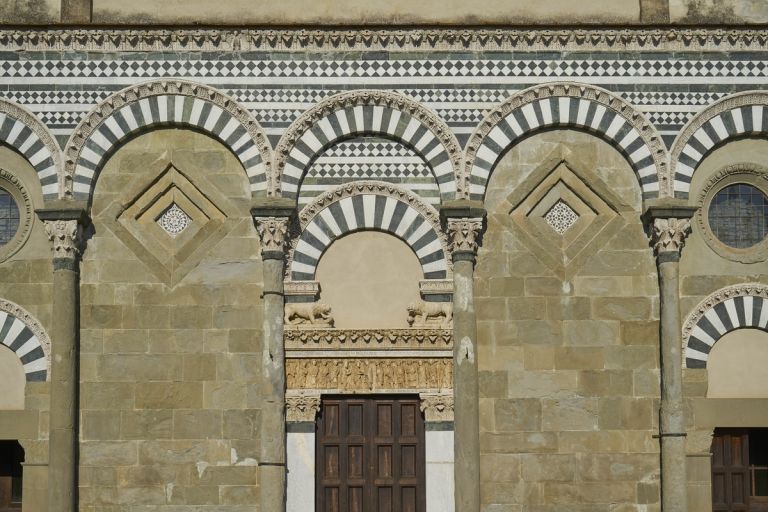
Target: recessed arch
column 164, row 103
column 369, row 206
column 733, row 117
column 735, row 307
column 363, row 112
column 23, row 334
column 570, row 106
column 24, row 132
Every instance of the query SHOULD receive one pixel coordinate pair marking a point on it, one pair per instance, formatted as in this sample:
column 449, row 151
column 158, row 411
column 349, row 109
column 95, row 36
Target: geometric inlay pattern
column 561, row 217
column 174, row 220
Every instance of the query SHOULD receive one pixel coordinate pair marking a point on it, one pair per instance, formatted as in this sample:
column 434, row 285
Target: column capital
column 669, row 224
column 464, row 222
column 272, row 217
column 64, row 222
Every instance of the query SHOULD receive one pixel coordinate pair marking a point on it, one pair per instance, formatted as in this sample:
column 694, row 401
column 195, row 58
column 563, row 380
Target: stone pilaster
column 64, row 225
column 272, row 220
column 464, row 224
column 669, row 226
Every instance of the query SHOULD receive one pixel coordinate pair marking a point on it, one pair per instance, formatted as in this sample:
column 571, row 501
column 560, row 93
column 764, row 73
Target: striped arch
column 369, row 206
column 24, row 132
column 566, row 105
column 164, row 103
column 736, row 307
column 24, row 335
column 366, row 112
column 736, row 116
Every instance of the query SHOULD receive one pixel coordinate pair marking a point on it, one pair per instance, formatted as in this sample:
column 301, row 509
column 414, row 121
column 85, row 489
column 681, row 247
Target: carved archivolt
column 27, row 338
column 322, row 222
column 571, row 105
column 344, row 114
column 115, row 39
column 164, row 102
column 733, row 307
column 25, row 133
column 735, row 116
column 365, row 375
column 367, row 339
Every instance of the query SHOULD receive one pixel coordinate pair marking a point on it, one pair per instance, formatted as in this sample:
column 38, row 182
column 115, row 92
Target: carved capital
column 302, row 407
column 669, row 234
column 273, row 233
column 464, row 234
column 66, row 237
column 437, row 406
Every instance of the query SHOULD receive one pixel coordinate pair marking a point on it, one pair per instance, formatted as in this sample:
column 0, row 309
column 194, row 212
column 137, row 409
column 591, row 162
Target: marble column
column 272, row 225
column 669, row 226
column 64, row 226
column 465, row 226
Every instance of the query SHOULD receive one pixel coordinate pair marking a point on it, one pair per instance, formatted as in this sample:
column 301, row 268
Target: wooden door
column 730, row 471
column 370, row 455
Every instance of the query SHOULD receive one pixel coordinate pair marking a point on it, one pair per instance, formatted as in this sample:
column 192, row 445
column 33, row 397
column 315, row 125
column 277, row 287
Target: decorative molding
column 436, row 287
column 301, row 289
column 365, row 375
column 445, row 163
column 748, row 173
column 301, row 407
column 636, row 138
column 12, row 184
column 66, row 237
column 733, row 307
column 316, row 233
column 736, row 115
column 669, row 234
column 131, row 109
column 417, row 39
column 437, row 406
column 367, row 339
column 273, row 233
column 27, row 338
column 30, row 137
column 464, row 234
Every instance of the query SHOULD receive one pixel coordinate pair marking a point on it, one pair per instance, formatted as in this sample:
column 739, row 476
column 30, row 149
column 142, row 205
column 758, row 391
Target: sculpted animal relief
column 314, row 313
column 424, row 314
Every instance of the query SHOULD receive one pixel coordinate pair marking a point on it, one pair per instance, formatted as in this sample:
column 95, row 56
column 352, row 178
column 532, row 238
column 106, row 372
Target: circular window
column 9, row 217
column 733, row 213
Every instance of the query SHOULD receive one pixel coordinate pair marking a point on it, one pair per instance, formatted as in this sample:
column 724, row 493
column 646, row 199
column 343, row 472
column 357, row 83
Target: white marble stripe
column 443, row 169
column 28, row 346
column 300, row 157
column 564, row 106
column 738, row 120
column 695, row 354
column 614, row 127
column 431, row 247
column 327, row 128
column 701, row 136
column 546, row 112
column 14, row 133
column 640, row 153
column 410, row 130
column 480, row 173
column 309, row 250
column 28, row 143
column 646, row 171
column 81, row 188
column 197, row 111
column 424, row 141
column 748, row 304
column 41, row 155
column 369, row 210
column 763, row 322
column 652, row 186
column 530, row 116
column 681, row 186
column 629, row 139
column 111, row 124
column 422, row 230
column 100, row 140
column 435, row 266
column 359, row 116
column 598, row 117
column 318, row 233
column 394, row 119
column 89, row 155
column 146, row 111
column 163, row 103
column 581, row 114
column 405, row 223
column 448, row 186
column 244, row 139
column 302, row 267
column 730, row 308
column 327, row 216
column 389, row 210
column 700, row 334
column 714, row 319
column 378, row 113
column 348, row 209
column 757, row 118
column 692, row 153
column 719, row 127
column 229, row 128
column 500, row 138
column 48, row 171
column 130, row 119
column 213, row 117
column 438, row 149
column 178, row 109
column 341, row 117
column 39, row 364
column 514, row 126
column 16, row 327
column 292, row 171
column 52, row 189
column 310, row 140
column 84, row 172
column 249, row 153
column 256, row 170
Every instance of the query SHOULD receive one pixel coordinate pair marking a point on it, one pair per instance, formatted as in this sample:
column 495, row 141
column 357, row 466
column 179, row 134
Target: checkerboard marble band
column 739, row 121
column 369, row 212
column 22, row 135
column 566, row 112
column 376, row 120
column 167, row 110
column 720, row 319
column 21, row 339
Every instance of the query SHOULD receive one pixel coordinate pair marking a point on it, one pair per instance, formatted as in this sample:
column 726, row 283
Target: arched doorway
column 11, row 458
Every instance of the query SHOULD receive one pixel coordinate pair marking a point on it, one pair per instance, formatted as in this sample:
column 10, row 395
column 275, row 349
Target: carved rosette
column 273, row 233
column 66, row 237
column 669, row 234
column 301, row 407
column 437, row 406
column 465, row 234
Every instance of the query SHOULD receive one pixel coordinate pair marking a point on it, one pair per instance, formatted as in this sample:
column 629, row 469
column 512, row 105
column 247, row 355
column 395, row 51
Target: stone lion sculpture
column 424, row 314
column 308, row 313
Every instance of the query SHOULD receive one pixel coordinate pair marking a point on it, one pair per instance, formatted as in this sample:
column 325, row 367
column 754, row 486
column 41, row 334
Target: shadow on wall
column 725, row 11
column 26, row 11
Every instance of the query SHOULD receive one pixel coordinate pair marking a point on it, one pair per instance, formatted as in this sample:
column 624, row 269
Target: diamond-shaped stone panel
column 561, row 217
column 174, row 220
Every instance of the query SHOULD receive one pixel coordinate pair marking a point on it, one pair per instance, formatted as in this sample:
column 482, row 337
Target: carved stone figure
column 308, row 313
column 422, row 314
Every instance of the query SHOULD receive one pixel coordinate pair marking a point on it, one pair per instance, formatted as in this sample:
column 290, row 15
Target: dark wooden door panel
column 730, row 471
column 370, row 455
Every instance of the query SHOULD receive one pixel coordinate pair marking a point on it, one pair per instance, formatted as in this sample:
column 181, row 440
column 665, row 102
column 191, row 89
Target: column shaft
column 63, row 457
column 465, row 387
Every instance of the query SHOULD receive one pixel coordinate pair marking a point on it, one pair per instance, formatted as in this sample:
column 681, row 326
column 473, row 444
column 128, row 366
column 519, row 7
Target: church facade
column 355, row 257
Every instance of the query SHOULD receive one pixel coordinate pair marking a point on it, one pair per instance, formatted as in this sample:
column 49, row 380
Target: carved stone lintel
column 465, row 234
column 301, row 407
column 669, row 234
column 367, row 339
column 67, row 238
column 273, row 233
column 437, row 406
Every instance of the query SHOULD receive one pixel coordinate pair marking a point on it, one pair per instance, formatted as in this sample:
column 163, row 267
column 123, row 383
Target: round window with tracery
column 738, row 215
column 9, row 217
